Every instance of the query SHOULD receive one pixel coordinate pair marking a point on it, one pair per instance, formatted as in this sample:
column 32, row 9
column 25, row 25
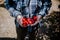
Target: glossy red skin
column 34, row 18
column 26, row 21
column 30, row 21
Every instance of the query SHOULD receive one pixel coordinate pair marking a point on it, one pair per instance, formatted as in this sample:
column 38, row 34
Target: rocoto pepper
column 27, row 21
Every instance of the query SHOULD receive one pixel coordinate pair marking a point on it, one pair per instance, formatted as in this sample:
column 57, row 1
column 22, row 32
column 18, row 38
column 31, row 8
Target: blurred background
column 51, row 22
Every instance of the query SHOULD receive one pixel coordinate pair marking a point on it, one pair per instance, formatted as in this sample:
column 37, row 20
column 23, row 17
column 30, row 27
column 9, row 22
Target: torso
column 25, row 9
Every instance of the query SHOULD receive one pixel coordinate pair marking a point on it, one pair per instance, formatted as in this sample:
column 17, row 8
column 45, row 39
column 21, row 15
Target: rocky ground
column 7, row 26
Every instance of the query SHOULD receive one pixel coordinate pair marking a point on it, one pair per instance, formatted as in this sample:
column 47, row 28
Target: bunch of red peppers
column 27, row 21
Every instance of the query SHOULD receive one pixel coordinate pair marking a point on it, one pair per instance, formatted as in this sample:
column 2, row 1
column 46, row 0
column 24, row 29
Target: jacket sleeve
column 10, row 5
column 45, row 6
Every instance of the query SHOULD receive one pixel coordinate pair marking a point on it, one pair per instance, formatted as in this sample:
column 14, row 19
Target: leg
column 20, row 31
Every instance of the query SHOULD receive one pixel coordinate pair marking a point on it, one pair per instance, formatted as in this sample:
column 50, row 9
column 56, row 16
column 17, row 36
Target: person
column 27, row 8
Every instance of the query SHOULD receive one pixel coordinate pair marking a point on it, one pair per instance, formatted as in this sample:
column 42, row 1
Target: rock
column 1, row 1
column 7, row 26
column 55, row 6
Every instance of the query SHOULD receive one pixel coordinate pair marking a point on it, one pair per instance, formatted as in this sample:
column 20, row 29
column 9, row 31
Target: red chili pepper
column 30, row 21
column 24, row 22
column 34, row 18
column 27, row 21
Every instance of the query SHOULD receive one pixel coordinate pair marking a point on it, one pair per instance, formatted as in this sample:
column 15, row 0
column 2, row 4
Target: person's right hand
column 19, row 20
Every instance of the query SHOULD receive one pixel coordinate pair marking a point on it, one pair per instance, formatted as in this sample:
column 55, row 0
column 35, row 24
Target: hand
column 38, row 20
column 19, row 20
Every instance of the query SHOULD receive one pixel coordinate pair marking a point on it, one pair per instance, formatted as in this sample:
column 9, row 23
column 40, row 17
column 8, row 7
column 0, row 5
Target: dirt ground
column 7, row 26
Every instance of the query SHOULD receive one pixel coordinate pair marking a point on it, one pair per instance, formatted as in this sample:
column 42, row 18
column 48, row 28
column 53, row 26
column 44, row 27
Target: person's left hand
column 38, row 20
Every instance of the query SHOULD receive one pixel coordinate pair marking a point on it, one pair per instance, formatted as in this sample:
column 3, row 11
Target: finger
column 34, row 23
column 20, row 21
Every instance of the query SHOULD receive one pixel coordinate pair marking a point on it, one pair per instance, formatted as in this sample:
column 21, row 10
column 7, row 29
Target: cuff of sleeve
column 16, row 13
column 42, row 14
column 11, row 9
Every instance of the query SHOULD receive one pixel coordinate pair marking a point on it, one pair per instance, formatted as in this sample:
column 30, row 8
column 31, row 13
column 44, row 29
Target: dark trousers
column 22, row 32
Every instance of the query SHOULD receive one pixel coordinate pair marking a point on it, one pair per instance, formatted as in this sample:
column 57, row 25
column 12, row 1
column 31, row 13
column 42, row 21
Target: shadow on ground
column 7, row 39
